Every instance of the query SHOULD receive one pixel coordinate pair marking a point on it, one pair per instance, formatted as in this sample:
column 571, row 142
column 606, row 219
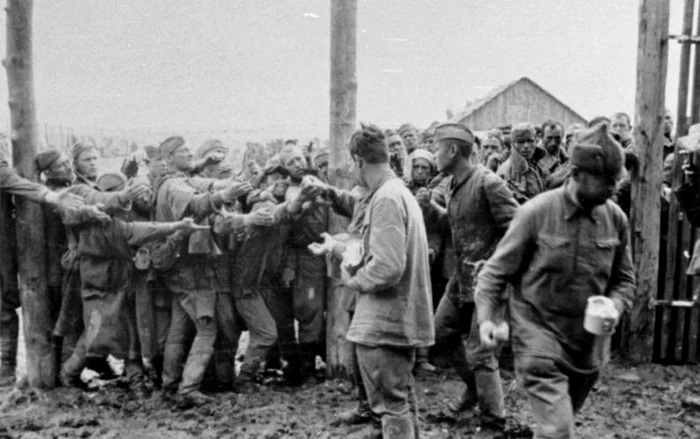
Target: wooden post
column 343, row 109
column 652, row 58
column 683, row 80
column 36, row 314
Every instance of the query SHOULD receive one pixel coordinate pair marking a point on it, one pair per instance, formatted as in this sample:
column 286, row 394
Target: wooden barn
column 519, row 101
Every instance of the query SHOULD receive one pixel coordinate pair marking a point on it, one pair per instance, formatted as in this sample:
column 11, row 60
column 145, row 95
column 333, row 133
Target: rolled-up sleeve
column 386, row 255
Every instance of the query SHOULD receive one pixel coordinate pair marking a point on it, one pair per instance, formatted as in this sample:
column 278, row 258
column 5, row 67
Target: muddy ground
column 643, row 402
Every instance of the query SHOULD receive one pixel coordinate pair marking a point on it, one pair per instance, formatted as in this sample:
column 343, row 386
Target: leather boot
column 361, row 414
column 490, row 391
column 9, row 334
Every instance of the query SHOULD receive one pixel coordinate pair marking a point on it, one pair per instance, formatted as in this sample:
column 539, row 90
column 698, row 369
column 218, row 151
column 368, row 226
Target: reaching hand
column 237, row 189
column 262, row 217
column 188, row 226
column 320, row 249
column 65, row 200
column 135, row 192
column 96, row 212
column 423, row 197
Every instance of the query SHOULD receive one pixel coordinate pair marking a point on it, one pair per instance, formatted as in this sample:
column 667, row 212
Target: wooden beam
column 652, row 59
column 342, row 124
column 36, row 315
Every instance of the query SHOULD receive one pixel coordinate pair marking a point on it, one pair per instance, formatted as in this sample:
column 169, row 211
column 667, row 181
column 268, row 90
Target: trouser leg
column 451, row 325
column 388, row 380
column 9, row 334
column 280, row 304
column 261, row 329
column 226, row 341
column 75, row 364
column 547, row 387
column 309, row 299
column 176, row 345
column 483, row 364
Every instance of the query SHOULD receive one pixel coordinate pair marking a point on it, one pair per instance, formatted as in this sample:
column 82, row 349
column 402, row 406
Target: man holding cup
column 563, row 247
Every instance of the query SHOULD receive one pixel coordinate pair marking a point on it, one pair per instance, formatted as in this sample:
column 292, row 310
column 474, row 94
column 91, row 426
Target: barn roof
column 474, row 106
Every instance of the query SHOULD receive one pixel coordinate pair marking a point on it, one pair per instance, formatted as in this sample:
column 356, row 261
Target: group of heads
column 597, row 159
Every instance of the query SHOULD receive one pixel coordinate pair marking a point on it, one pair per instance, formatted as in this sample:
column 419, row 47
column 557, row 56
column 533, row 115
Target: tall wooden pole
column 30, row 229
column 652, row 58
column 343, row 109
column 683, row 80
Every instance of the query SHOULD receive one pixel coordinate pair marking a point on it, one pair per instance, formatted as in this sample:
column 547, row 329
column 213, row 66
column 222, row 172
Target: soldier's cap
column 321, row 152
column 429, row 133
column 45, row 159
column 453, row 131
column 110, row 181
column 407, row 127
column 169, row 145
column 210, row 145
column 152, row 152
column 594, row 150
column 274, row 169
column 79, row 148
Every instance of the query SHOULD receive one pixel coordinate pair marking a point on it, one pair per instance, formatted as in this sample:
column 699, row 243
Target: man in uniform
column 393, row 313
column 191, row 278
column 479, row 210
column 521, row 172
column 561, row 248
column 9, row 293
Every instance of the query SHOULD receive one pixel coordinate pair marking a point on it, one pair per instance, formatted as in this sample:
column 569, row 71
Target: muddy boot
column 101, row 366
column 9, row 333
column 398, row 427
column 490, row 391
column 361, row 414
column 192, row 399
column 247, row 380
column 467, row 401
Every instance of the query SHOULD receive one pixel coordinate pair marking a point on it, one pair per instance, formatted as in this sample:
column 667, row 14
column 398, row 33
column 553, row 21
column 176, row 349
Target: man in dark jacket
column 479, row 210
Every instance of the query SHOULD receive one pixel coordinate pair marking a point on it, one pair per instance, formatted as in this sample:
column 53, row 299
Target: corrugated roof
column 474, row 106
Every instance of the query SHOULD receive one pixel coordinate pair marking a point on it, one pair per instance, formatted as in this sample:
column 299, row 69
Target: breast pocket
column 555, row 253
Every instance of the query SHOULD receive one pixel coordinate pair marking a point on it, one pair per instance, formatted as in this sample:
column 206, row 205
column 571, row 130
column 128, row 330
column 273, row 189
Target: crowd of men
column 456, row 242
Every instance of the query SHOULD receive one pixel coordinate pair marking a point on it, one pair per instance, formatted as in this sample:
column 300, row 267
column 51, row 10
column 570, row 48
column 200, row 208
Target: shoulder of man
column 616, row 214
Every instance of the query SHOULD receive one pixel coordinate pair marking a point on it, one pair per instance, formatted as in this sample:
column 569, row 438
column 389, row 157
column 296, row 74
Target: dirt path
column 628, row 403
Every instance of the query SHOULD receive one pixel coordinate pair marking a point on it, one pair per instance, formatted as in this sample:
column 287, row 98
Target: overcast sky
column 262, row 67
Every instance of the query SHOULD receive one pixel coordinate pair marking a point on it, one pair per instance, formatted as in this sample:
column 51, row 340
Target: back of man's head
column 368, row 144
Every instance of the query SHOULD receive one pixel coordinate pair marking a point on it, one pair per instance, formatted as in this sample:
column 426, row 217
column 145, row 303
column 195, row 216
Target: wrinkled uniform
column 557, row 256
column 393, row 314
column 524, row 178
column 479, row 208
column 191, row 281
column 105, row 255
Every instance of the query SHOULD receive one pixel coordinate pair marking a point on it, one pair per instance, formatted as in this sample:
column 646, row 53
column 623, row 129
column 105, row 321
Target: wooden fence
column 676, row 332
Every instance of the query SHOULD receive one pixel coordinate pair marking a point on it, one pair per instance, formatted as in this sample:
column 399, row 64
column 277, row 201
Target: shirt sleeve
column 92, row 196
column 386, row 255
column 501, row 201
column 16, row 185
column 343, row 202
column 510, row 255
column 139, row 233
